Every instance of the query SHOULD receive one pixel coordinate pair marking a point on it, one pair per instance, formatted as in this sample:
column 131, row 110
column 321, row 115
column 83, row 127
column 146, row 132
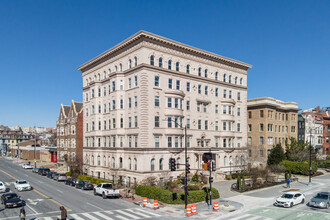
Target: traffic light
column 211, row 179
column 209, row 166
column 172, row 164
column 183, row 180
column 188, row 168
column 214, row 166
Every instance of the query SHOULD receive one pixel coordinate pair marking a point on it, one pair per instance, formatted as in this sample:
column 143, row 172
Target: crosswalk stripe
column 76, row 217
column 241, row 217
column 129, row 215
column 121, row 217
column 89, row 216
column 137, row 213
column 149, row 213
column 48, row 218
column 102, row 216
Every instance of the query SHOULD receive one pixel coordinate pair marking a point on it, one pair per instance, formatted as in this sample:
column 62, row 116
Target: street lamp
column 185, row 152
column 311, row 125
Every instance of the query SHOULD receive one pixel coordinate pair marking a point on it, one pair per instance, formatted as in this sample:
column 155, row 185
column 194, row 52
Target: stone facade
column 270, row 122
column 139, row 93
column 69, row 134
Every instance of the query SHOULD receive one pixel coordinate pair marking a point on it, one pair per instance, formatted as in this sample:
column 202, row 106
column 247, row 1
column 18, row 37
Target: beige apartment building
column 140, row 94
column 270, row 122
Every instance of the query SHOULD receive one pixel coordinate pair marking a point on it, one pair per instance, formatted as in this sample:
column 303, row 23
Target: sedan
column 69, row 181
column 35, row 170
column 2, row 187
column 55, row 176
column 27, row 166
column 87, row 186
column 61, row 177
column 321, row 200
column 290, row 199
column 11, row 200
column 21, row 185
column 50, row 174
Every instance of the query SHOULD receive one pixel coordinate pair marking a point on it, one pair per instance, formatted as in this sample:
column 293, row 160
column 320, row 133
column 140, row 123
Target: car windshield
column 107, row 186
column 287, row 196
column 22, row 182
column 62, row 174
column 87, row 182
column 1, row 184
column 12, row 196
column 321, row 196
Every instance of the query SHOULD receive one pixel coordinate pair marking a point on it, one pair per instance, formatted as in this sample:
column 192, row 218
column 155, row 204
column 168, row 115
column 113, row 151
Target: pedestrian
column 22, row 213
column 288, row 183
column 63, row 213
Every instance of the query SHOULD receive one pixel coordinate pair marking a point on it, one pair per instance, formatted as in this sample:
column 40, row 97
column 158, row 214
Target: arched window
column 113, row 163
column 224, row 77
column 116, row 68
column 152, row 164
column 121, row 67
column 104, row 161
column 130, row 163
column 135, row 61
column 177, row 66
column 230, row 161
column 99, row 160
column 225, row 161
column 170, row 64
column 161, row 164
column 216, row 75
column 135, row 164
column 178, row 163
column 152, row 60
column 109, row 161
column 160, row 62
column 199, row 71
column 205, row 73
column 99, row 77
column 120, row 162
column 130, row 63
column 188, row 69
column 241, row 81
column 229, row 80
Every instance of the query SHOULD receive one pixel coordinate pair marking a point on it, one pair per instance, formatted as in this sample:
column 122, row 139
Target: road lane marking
column 76, row 217
column 121, row 217
column 36, row 213
column 149, row 213
column 50, row 199
column 59, row 190
column 137, row 213
column 95, row 206
column 102, row 216
column 48, row 218
column 127, row 214
column 90, row 216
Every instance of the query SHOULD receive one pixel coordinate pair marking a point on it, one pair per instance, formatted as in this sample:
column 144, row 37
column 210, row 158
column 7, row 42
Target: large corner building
column 140, row 94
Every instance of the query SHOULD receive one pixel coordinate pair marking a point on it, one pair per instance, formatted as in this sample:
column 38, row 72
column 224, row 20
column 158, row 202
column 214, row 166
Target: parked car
column 55, row 176
column 2, row 187
column 87, row 186
column 68, row 181
column 27, row 166
column 106, row 190
column 43, row 171
column 11, row 200
column 50, row 174
column 75, row 181
column 21, row 185
column 61, row 177
column 321, row 200
column 290, row 199
column 35, row 170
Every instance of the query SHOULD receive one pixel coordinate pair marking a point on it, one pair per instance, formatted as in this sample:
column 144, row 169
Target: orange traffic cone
column 193, row 209
column 156, row 204
column 145, row 200
column 188, row 210
column 216, row 206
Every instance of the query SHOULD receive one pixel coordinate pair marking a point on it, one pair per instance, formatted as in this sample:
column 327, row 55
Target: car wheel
column 302, row 201
column 103, row 196
column 291, row 204
column 94, row 193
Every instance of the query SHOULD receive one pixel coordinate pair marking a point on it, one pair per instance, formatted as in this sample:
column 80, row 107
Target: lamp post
column 311, row 123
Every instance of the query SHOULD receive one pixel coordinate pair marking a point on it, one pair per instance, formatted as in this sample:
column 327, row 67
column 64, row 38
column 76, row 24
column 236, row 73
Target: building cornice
column 143, row 36
column 273, row 103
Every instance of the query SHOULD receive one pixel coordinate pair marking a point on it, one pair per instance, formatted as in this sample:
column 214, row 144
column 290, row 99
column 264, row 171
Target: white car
column 2, row 187
column 27, row 166
column 21, row 185
column 290, row 199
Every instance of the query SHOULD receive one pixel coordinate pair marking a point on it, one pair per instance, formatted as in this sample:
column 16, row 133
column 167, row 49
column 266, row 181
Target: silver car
column 321, row 200
column 61, row 177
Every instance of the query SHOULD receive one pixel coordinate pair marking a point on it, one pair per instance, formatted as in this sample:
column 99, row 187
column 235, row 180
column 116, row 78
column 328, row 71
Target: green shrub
column 165, row 196
column 228, row 177
column 192, row 187
column 94, row 180
column 68, row 174
column 296, row 167
column 195, row 177
column 324, row 163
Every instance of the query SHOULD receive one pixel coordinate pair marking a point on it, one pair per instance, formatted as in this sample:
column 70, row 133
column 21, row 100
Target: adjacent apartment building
column 270, row 122
column 70, row 134
column 139, row 95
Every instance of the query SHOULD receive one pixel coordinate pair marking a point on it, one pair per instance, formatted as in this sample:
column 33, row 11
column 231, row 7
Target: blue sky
column 43, row 43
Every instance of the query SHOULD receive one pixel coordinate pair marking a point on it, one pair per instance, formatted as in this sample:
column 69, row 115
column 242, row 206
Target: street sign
column 210, row 193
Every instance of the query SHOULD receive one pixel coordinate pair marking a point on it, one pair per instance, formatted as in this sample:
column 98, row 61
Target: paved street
column 48, row 195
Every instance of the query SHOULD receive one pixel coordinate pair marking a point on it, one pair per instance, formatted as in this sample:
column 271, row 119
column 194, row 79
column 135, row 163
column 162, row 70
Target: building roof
column 271, row 102
column 150, row 36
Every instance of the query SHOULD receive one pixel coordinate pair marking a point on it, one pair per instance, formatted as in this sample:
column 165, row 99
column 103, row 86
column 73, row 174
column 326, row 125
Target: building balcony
column 227, row 133
column 228, row 101
column 174, row 92
column 173, row 111
column 227, row 117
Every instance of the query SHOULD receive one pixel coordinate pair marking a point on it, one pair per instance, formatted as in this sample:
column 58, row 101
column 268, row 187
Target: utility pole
column 35, row 144
column 210, row 180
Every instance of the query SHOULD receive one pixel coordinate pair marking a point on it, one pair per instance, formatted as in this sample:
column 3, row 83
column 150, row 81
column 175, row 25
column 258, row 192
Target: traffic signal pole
column 186, row 182
column 210, row 180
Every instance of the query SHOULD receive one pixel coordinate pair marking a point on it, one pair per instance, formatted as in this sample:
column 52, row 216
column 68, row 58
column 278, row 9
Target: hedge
column 68, row 173
column 324, row 163
column 296, row 167
column 94, row 180
column 165, row 196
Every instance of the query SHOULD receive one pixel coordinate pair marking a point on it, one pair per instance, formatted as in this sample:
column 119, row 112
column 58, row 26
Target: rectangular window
column 135, row 141
column 224, row 108
column 113, row 123
column 261, row 113
column 199, row 124
column 216, row 142
column 178, row 84
column 129, row 83
column 249, row 140
column 216, row 125
column 156, row 101
column 216, row 109
column 224, row 142
column 129, row 141
column 136, row 121
column 188, row 86
column 113, row 104
column 238, row 127
column 156, row 141
column 113, row 86
column 129, row 122
column 169, row 141
column 188, row 123
column 176, row 141
column 157, row 121
column 293, row 129
column 121, row 141
column 121, row 122
column 188, row 105
column 224, row 93
column 157, row 81
column 261, row 127
column 169, row 102
column 238, row 111
column 176, row 103
column 270, row 141
column 170, row 83
column 199, row 89
column 121, row 85
column 261, row 141
column 205, row 107
column 206, row 90
column 135, row 101
column 121, row 104
column 129, row 102
column 249, row 128
column 104, row 91
column 169, row 122
column 206, row 124
column 216, row 92
column 270, row 127
column 136, row 80
column 250, row 115
column 238, row 96
column 224, row 126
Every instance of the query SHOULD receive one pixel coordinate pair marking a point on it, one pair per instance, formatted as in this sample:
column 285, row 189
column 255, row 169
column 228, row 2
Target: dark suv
column 43, row 171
